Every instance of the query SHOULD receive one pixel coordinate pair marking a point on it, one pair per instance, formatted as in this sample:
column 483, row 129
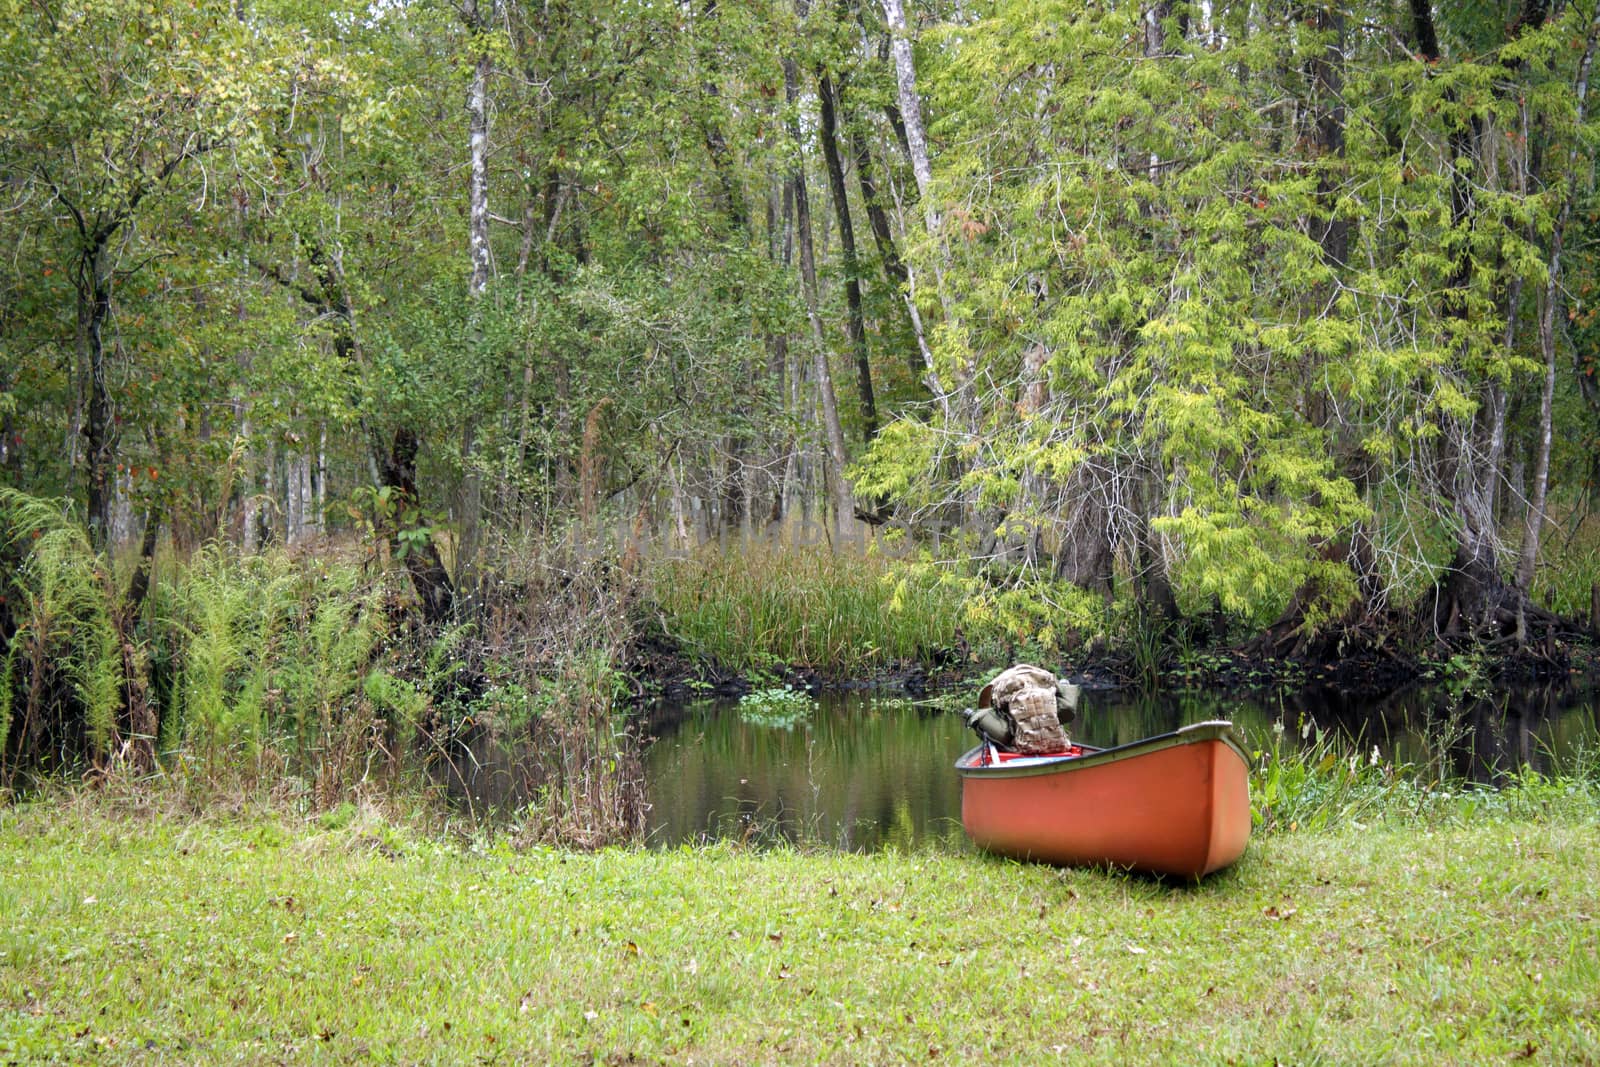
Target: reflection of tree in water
column 1483, row 735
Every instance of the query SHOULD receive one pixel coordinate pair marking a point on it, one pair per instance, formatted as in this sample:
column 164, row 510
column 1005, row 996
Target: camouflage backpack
column 1037, row 706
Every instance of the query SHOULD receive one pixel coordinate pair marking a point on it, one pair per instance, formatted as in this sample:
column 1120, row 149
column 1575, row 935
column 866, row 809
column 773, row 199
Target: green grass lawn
column 262, row 940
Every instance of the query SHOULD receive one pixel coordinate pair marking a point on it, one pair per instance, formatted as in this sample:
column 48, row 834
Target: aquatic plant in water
column 780, row 707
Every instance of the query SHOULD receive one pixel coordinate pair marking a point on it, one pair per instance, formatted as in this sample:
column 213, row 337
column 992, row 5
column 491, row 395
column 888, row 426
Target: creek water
column 870, row 771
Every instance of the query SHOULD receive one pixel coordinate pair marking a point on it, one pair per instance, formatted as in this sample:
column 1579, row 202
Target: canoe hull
column 1178, row 804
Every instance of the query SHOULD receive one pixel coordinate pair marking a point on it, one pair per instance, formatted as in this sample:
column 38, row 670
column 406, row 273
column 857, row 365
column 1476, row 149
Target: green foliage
column 1319, row 784
column 1568, row 580
column 339, row 634
column 1114, row 329
column 400, row 699
column 60, row 597
column 1155, row 364
column 276, row 660
column 1037, row 617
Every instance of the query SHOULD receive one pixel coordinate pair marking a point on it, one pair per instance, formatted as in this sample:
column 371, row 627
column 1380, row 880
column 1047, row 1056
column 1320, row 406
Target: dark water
column 865, row 772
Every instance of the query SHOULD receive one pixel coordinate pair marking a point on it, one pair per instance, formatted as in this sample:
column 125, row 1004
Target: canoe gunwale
column 1196, row 733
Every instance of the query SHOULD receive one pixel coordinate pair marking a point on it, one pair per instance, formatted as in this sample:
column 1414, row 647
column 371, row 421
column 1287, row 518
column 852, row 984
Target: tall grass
column 758, row 606
column 1570, row 567
column 1322, row 782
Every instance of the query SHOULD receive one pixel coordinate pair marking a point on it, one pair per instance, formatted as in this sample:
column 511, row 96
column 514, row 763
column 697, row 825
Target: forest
column 1102, row 317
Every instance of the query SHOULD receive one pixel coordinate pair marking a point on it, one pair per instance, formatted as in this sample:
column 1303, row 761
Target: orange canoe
column 1175, row 804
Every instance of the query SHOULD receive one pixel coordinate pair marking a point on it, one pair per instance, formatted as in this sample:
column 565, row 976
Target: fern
column 227, row 619
column 64, row 597
column 328, row 656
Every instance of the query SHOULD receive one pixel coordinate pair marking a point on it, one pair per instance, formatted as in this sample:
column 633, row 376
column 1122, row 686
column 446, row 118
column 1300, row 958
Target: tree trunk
column 319, row 517
column 1471, row 587
column 100, row 432
column 847, row 247
column 1547, row 331
column 398, row 472
column 478, row 153
column 780, row 246
column 297, row 494
column 916, row 143
column 1151, row 579
column 834, row 434
column 478, row 254
column 10, row 440
column 140, row 721
column 893, row 268
column 394, row 461
column 1085, row 558
column 916, row 137
column 1327, row 74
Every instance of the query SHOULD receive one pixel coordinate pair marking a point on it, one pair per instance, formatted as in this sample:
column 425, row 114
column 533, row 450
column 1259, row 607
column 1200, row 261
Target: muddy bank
column 659, row 667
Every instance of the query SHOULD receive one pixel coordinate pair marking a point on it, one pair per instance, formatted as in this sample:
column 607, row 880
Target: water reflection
column 857, row 773
column 864, row 772
column 1482, row 735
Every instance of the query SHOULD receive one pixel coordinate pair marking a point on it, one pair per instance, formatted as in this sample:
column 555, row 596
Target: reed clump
column 756, row 606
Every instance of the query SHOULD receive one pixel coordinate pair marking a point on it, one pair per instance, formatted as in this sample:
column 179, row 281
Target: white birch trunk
column 297, row 471
column 318, row 520
column 269, row 488
column 905, row 72
column 250, row 504
column 478, row 254
column 478, row 151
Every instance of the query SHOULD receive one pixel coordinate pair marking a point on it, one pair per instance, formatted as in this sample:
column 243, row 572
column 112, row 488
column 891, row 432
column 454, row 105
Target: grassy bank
column 1439, row 939
column 757, row 607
